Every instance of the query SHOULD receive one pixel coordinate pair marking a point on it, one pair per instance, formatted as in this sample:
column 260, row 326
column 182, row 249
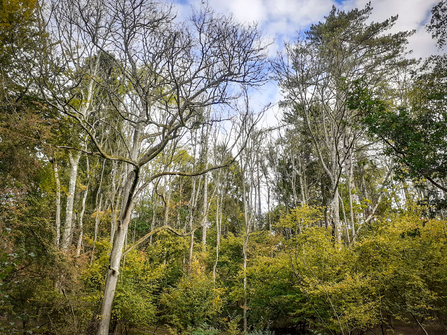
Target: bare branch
column 155, row 231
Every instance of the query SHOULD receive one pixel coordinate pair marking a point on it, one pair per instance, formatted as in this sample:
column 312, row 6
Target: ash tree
column 162, row 76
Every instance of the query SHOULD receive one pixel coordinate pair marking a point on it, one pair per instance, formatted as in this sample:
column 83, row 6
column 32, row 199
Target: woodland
column 140, row 193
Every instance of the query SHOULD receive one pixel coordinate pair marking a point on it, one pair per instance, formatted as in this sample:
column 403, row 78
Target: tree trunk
column 335, row 209
column 97, row 221
column 244, row 249
column 58, row 204
column 117, row 251
column 167, row 201
column 219, row 202
column 113, row 201
column 81, row 216
column 74, row 162
column 192, row 204
column 153, row 217
column 351, row 206
column 205, row 211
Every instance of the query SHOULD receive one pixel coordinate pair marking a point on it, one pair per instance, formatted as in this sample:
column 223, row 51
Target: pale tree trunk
column 117, row 252
column 244, row 248
column 120, row 236
column 81, row 216
column 205, row 211
column 244, row 251
column 113, row 200
column 303, row 185
column 335, row 211
column 258, row 177
column 97, row 221
column 167, row 200
column 348, row 171
column 346, row 222
column 205, row 189
column 219, row 203
column 74, row 162
column 192, row 202
column 293, row 182
column 113, row 216
column 268, row 210
column 180, row 201
column 98, row 210
column 153, row 217
column 351, row 206
column 58, row 203
column 192, row 205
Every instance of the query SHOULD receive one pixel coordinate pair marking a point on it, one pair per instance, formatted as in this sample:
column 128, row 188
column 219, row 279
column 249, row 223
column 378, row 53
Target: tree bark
column 58, row 204
column 81, row 217
column 74, row 162
column 205, row 211
column 117, row 252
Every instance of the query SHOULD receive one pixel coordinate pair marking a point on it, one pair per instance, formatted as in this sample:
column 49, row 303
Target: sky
column 280, row 20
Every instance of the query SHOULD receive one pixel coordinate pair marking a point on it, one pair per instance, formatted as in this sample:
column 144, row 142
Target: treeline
column 139, row 193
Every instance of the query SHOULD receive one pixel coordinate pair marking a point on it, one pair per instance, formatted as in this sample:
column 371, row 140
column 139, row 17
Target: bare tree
column 155, row 76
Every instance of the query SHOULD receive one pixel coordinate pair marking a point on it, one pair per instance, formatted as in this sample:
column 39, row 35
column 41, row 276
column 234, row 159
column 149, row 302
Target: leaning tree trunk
column 117, row 252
